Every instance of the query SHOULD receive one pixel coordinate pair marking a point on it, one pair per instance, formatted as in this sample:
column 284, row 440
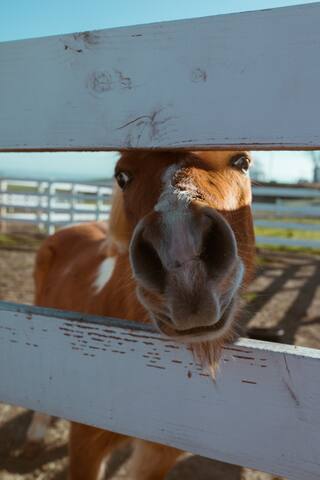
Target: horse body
column 72, row 260
column 177, row 250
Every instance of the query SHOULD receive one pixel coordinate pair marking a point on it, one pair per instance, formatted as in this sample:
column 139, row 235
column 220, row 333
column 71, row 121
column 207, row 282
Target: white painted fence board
column 59, row 207
column 87, row 186
column 314, row 227
column 293, row 210
column 249, row 79
column 263, row 410
column 55, row 218
column 27, row 195
column 288, row 242
column 281, row 192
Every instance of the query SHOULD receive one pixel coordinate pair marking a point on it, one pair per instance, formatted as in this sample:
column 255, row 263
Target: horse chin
column 205, row 343
column 197, row 334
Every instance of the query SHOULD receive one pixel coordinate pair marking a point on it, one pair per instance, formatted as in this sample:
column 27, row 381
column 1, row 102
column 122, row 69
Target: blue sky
column 36, row 18
column 280, row 166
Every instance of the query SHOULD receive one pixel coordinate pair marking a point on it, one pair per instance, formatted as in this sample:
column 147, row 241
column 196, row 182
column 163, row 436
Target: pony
column 177, row 251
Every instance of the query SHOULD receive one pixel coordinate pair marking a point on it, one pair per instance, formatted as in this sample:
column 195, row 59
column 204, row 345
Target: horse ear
column 118, row 225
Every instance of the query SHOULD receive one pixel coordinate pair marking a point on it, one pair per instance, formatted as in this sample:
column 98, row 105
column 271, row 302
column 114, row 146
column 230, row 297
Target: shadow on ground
column 285, row 293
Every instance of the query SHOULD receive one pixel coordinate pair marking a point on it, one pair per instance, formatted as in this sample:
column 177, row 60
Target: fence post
column 99, row 204
column 41, row 186
column 50, row 227
column 3, row 209
column 73, row 202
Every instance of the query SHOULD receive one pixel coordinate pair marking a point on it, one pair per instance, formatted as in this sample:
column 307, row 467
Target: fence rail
column 286, row 210
column 49, row 205
column 264, row 401
column 115, row 95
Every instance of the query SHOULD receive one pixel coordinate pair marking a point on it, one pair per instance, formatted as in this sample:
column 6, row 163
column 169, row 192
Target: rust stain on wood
column 155, row 366
column 243, row 357
column 139, row 336
column 88, row 38
column 102, row 81
column 198, row 75
column 97, row 334
column 72, row 49
column 235, row 349
column 174, row 347
column 147, row 125
column 86, row 327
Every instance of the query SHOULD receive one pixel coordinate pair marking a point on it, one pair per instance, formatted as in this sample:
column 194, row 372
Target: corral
column 287, row 391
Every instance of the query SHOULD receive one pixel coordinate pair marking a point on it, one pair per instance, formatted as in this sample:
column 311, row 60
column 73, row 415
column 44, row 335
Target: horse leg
column 88, row 448
column 35, row 434
column 151, row 461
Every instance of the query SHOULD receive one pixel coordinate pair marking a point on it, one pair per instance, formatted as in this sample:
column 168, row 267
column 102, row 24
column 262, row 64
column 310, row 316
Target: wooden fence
column 50, row 204
column 249, row 80
column 286, row 210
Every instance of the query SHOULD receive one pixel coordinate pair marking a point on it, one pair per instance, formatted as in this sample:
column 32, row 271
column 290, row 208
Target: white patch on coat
column 173, row 205
column 38, row 427
column 105, row 271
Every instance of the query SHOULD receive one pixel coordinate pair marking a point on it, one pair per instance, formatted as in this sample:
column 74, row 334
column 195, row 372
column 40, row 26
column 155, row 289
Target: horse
column 177, row 252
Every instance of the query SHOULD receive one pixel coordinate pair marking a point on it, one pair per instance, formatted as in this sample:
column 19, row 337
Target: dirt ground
column 286, row 292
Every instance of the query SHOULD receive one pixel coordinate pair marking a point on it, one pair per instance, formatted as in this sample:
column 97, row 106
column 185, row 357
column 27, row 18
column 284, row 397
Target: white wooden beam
column 262, row 411
column 287, row 242
column 249, row 80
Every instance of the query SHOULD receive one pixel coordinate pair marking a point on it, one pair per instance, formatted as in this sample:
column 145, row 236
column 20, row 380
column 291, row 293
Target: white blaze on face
column 105, row 271
column 170, row 195
column 173, row 205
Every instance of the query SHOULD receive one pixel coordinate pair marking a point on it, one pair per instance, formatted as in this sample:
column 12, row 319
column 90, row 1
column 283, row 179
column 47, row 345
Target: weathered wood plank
column 249, row 79
column 262, row 411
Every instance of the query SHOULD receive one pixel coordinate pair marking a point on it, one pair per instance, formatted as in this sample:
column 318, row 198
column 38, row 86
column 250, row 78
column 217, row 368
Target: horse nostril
column 146, row 264
column 219, row 249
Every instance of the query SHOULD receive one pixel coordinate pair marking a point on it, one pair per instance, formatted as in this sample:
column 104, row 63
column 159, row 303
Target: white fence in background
column 287, row 209
column 51, row 204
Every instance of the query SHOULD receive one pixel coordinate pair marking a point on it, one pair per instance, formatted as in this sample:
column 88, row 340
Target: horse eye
column 123, row 178
column 241, row 162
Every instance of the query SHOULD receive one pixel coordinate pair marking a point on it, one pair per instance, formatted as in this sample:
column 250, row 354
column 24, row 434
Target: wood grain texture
column 249, row 80
column 262, row 411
